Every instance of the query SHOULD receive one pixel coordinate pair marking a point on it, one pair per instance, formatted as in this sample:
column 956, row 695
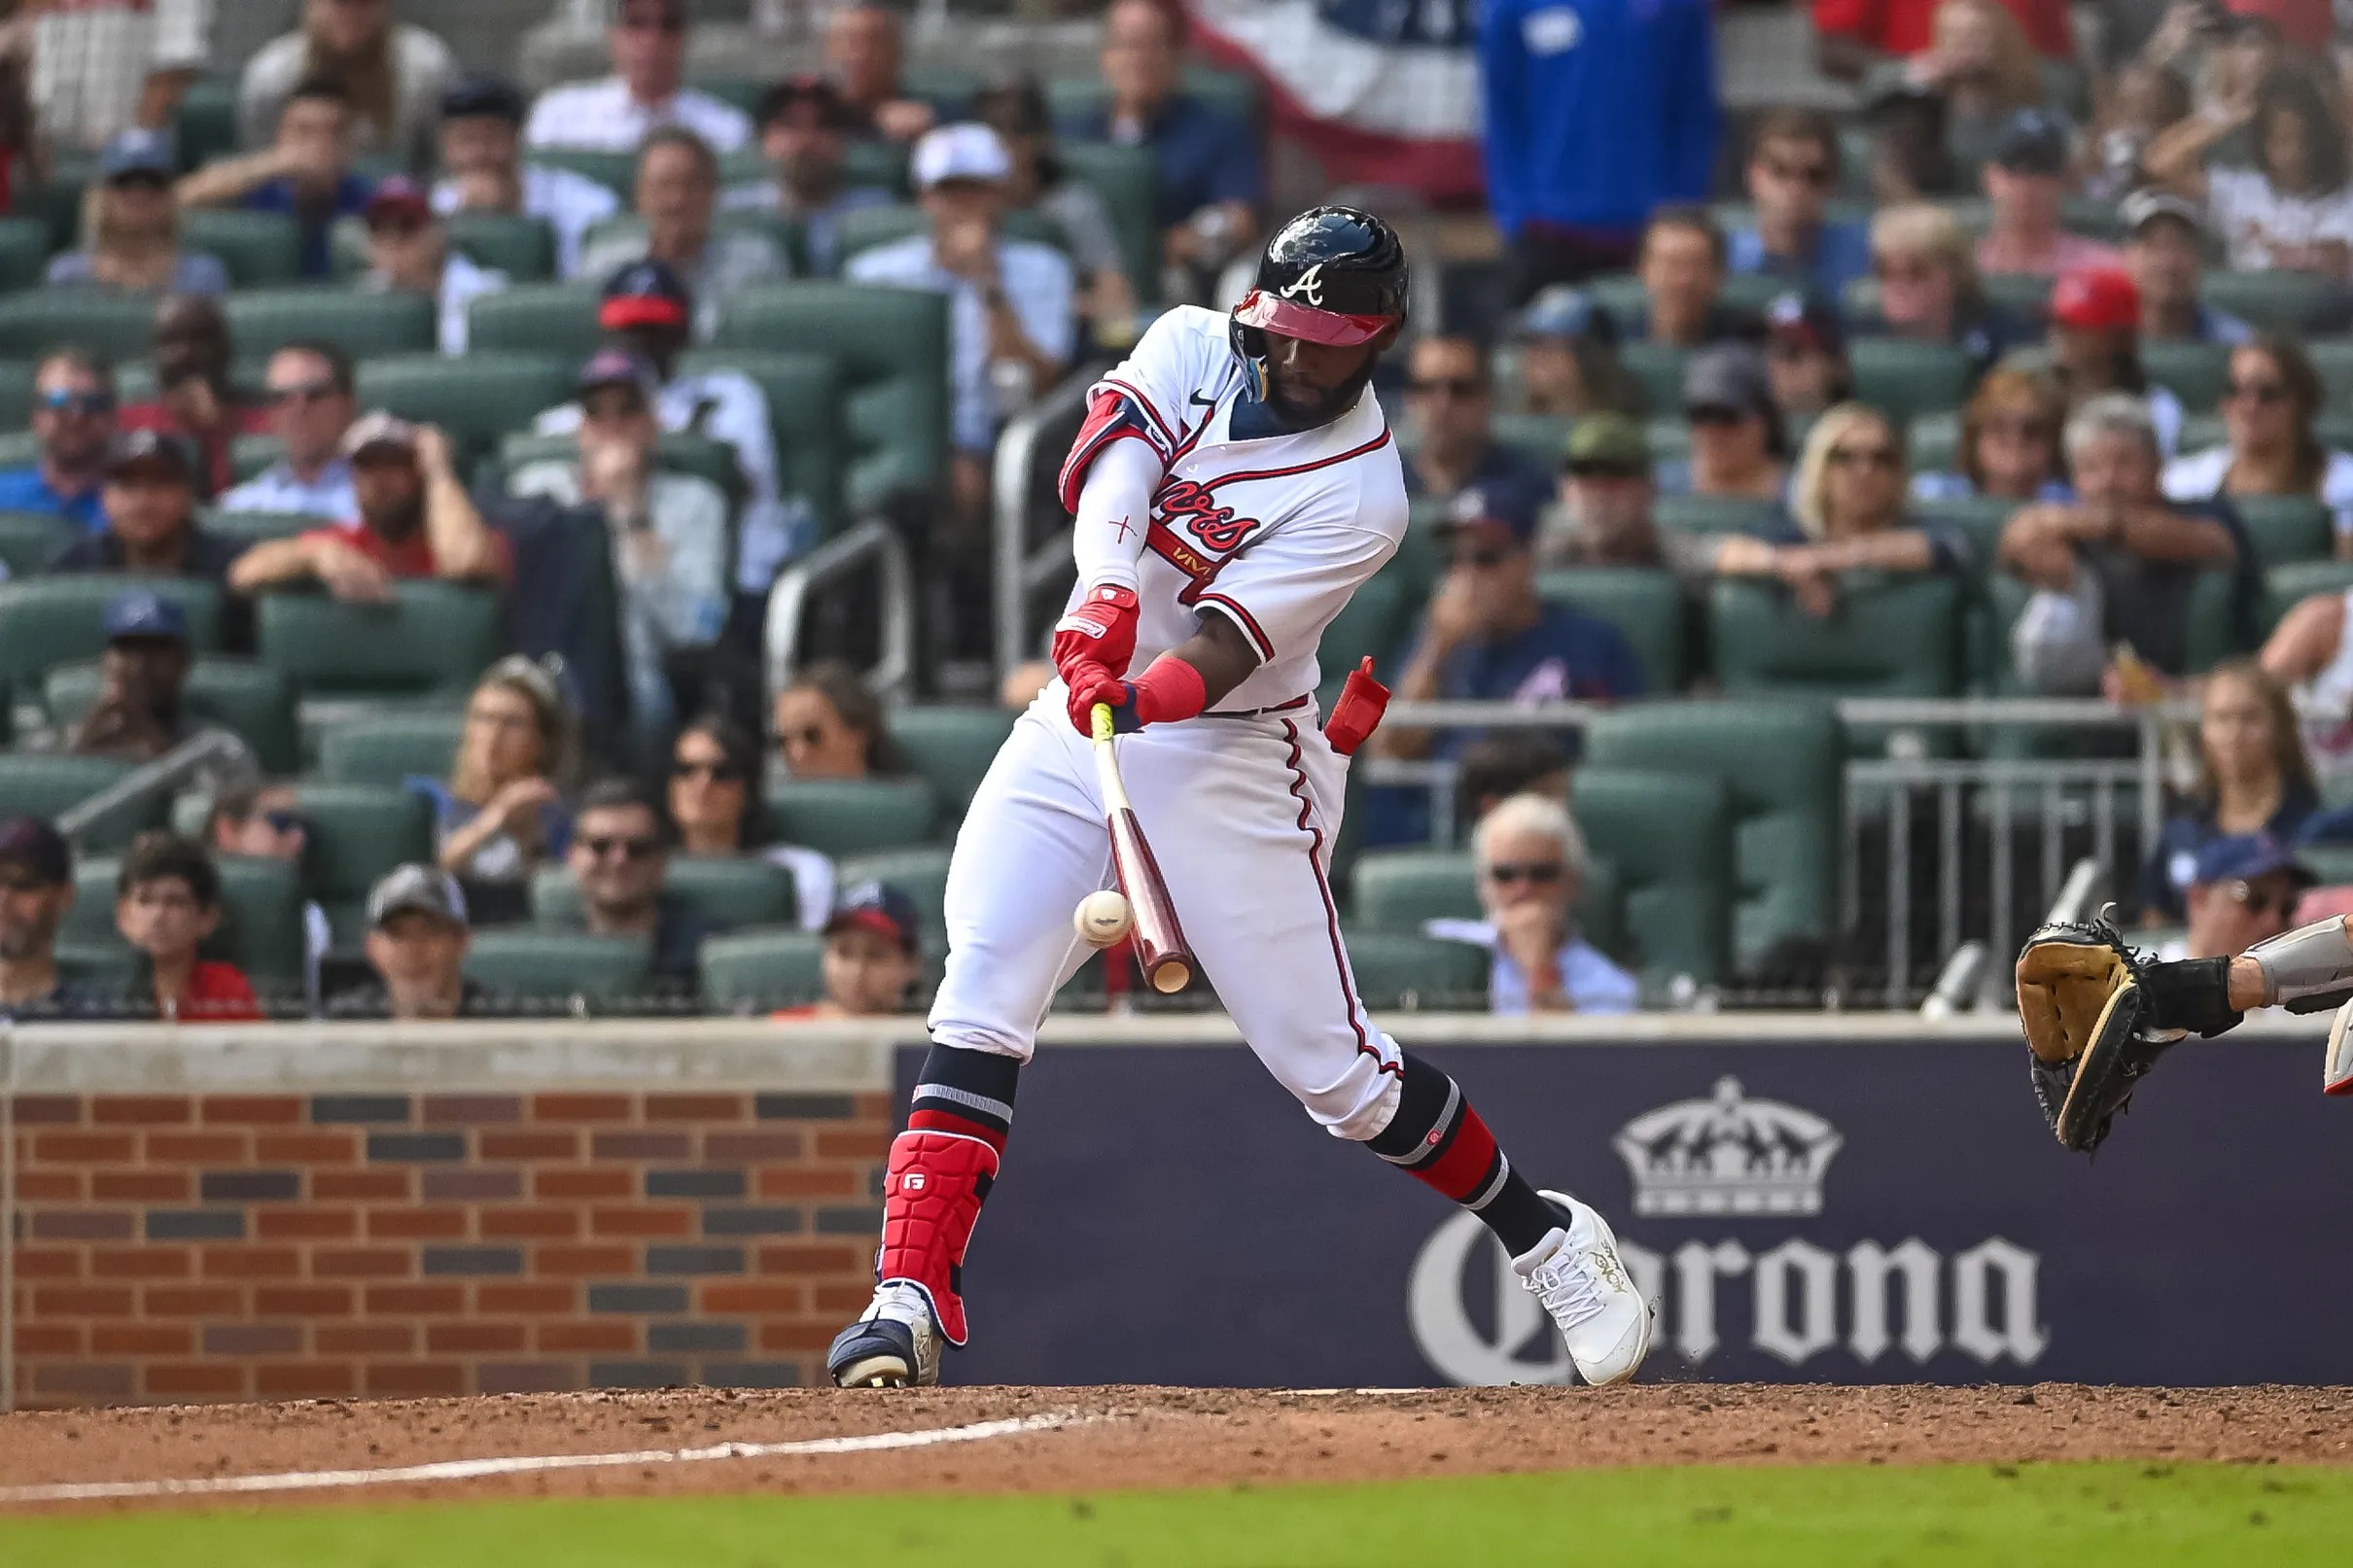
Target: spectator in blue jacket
column 307, row 173
column 1208, row 175
column 1793, row 166
column 1488, row 635
column 1598, row 111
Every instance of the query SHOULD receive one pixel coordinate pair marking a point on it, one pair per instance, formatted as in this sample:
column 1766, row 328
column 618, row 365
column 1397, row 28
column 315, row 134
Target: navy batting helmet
column 1331, row 275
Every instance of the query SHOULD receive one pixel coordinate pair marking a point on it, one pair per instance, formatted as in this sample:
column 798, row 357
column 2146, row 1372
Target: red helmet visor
column 1268, row 313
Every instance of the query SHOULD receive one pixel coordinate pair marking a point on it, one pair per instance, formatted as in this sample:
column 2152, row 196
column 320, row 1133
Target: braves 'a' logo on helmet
column 1307, row 286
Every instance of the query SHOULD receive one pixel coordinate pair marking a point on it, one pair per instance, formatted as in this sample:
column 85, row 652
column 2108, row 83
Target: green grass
column 2132, row 1516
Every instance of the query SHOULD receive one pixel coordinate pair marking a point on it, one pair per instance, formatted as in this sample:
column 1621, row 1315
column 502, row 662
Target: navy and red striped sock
column 966, row 1091
column 1439, row 1140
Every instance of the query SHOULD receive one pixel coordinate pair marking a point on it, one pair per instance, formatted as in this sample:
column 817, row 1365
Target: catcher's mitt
column 2097, row 1015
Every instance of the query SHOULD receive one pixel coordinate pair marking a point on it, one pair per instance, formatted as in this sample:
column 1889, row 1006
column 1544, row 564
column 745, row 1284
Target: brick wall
column 194, row 1246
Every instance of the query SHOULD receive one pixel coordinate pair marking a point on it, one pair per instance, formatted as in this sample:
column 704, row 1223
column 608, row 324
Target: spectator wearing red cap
column 416, row 520
column 2095, row 323
column 483, row 170
column 2293, row 211
column 676, row 199
column 645, row 92
column 873, row 956
column 804, row 133
column 2025, row 181
column 305, row 172
column 409, row 252
column 647, row 310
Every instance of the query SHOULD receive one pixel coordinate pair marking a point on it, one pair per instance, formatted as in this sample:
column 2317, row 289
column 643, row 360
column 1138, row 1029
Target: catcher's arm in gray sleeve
column 2307, row 971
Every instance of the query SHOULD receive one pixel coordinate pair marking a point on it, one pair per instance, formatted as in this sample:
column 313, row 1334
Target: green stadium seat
column 538, row 319
column 384, row 747
column 205, row 121
column 1376, row 624
column 741, row 92
column 616, row 172
column 366, row 324
column 1396, row 972
column 2332, row 358
column 725, row 893
column 475, row 400
column 2025, row 295
column 520, row 246
column 355, row 835
column 892, row 345
column 2290, row 302
column 1932, row 443
column 1903, row 378
column 2191, row 371
column 51, row 620
column 876, row 162
column 1543, row 438
column 46, row 785
column 1071, row 98
column 1646, row 605
column 2211, row 633
column 541, row 968
column 261, row 527
column 748, row 972
column 1404, row 890
column 430, row 638
column 804, row 393
column 36, row 321
column 29, row 538
column 2285, row 586
column 262, row 925
column 251, row 699
column 261, row 250
column 852, row 816
column 1669, row 838
column 1781, row 762
column 2286, row 528
column 922, row 874
column 2094, row 220
column 699, row 455
column 24, row 252
column 1720, row 515
column 1123, row 178
column 16, row 395
column 1980, row 517
column 1659, row 368
column 1888, row 637
column 250, row 455
column 951, row 746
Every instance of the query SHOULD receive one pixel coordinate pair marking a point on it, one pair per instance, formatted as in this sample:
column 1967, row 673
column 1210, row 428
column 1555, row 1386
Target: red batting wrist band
column 1170, row 693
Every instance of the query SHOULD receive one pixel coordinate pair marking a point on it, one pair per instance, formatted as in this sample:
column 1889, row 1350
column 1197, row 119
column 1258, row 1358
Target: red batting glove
column 1101, row 631
column 1168, row 693
column 1091, row 684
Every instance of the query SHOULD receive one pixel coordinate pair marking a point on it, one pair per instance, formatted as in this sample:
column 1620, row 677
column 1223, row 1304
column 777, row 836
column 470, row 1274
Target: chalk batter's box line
column 299, row 1481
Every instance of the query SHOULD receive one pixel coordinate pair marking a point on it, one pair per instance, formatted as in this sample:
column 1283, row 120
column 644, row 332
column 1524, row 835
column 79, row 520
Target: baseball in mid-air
column 1102, row 917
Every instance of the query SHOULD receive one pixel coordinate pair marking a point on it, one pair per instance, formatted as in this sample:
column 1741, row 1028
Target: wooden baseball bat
column 1160, row 945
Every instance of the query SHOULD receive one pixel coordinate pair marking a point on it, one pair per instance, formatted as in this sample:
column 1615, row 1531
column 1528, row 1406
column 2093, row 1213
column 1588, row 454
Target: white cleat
column 895, row 1344
column 1578, row 1277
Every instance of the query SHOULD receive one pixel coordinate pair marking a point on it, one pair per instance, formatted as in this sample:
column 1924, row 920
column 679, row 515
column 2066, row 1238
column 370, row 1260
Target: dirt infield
column 1148, row 1436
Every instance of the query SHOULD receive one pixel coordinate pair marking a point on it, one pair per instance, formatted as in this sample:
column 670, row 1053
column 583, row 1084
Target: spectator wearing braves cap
column 417, row 937
column 1568, row 357
column 142, row 675
column 2165, row 254
column 645, row 92
column 873, row 956
column 131, row 226
column 2244, row 890
column 484, row 169
column 649, row 312
column 2025, row 181
column 409, row 252
column 1488, row 635
column 2096, row 322
column 1739, row 444
column 1805, row 358
column 150, row 510
column 416, row 520
column 668, row 533
column 36, row 890
column 805, row 129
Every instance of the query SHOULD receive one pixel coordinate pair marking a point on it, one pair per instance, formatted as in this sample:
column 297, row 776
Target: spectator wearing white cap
column 417, row 937
column 677, row 200
column 645, row 92
column 416, row 520
column 484, row 169
column 394, row 71
column 2165, row 251
column 409, row 252
column 1013, row 302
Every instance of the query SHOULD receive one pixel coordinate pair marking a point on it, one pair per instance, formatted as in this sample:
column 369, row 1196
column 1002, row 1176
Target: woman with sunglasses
column 2010, row 443
column 1847, row 499
column 829, row 726
column 501, row 815
column 2252, row 778
column 715, row 799
column 1531, row 863
column 130, row 227
column 1927, row 285
column 2270, row 448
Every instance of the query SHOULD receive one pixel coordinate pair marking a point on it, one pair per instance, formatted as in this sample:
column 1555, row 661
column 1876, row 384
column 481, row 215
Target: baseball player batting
column 1233, row 483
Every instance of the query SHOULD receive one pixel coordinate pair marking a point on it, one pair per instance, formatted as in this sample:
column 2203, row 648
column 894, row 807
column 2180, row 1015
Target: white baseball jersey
column 1273, row 530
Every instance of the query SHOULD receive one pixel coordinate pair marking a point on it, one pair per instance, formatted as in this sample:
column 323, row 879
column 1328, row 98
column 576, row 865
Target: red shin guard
column 932, row 1198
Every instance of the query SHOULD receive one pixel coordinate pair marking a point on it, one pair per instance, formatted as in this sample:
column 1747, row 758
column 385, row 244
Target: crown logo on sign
column 1727, row 1155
